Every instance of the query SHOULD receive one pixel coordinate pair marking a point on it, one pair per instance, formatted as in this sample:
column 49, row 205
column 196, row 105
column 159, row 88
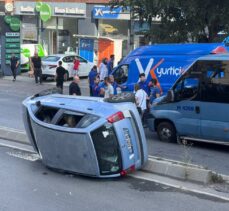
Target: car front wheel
column 166, row 132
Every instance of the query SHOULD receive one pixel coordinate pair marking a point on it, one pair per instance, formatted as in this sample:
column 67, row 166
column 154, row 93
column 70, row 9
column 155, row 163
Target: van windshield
column 107, row 149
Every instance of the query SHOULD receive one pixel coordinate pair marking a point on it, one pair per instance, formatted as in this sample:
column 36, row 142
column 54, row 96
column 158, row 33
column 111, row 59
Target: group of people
column 146, row 93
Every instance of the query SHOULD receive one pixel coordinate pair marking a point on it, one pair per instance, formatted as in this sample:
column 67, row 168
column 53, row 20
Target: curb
column 14, row 135
column 182, row 171
column 156, row 165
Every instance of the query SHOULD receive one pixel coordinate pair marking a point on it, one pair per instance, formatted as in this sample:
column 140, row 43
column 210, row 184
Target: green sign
column 12, row 39
column 45, row 12
column 26, row 52
column 12, row 45
column 7, row 19
column 13, row 22
column 15, row 51
column 38, row 6
column 12, row 34
column 8, row 56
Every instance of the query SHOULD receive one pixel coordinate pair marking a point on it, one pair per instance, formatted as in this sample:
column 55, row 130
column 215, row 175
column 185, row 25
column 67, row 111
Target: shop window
column 121, row 74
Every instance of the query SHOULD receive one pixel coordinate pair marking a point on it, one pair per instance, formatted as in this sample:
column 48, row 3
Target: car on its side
column 50, row 63
column 86, row 135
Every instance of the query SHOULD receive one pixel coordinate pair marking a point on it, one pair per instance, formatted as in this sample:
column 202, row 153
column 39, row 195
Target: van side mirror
column 170, row 96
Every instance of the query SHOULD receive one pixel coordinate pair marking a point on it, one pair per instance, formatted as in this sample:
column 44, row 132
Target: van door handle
column 197, row 109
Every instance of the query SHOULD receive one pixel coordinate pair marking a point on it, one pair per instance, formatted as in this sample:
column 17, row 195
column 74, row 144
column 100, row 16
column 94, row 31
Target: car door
column 215, row 101
column 68, row 65
column 187, row 105
column 61, row 143
column 84, row 67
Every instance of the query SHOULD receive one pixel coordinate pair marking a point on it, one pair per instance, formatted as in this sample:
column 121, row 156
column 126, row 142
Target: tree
column 181, row 20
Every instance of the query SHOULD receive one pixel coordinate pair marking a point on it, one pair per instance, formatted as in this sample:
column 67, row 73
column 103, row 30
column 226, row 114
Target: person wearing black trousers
column 60, row 72
column 14, row 62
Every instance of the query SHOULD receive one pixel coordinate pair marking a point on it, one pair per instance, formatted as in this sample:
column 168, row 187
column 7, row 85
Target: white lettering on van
column 147, row 70
column 169, row 71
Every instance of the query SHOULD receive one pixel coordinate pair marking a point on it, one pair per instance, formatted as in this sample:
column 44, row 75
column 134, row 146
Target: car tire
column 166, row 132
column 44, row 77
column 66, row 76
column 122, row 97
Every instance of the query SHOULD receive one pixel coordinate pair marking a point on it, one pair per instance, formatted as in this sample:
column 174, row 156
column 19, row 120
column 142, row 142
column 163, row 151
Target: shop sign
column 51, row 9
column 12, row 45
column 45, row 12
column 12, row 39
column 69, row 11
column 27, row 9
column 9, row 7
column 12, row 34
column 13, row 22
column 106, row 12
column 10, row 51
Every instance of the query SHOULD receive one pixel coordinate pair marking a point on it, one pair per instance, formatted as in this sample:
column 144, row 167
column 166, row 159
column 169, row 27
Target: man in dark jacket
column 74, row 88
column 36, row 62
column 60, row 72
column 14, row 62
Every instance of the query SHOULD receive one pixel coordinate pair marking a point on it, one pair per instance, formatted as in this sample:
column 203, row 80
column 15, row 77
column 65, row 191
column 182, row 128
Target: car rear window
column 107, row 150
column 51, row 58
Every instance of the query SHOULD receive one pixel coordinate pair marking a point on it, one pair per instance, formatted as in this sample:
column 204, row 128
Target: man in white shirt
column 103, row 71
column 141, row 97
column 108, row 88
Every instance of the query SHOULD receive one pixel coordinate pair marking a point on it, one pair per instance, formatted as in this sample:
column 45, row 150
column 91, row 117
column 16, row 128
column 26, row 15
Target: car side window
column 216, row 84
column 81, row 59
column 46, row 113
column 69, row 119
column 68, row 59
column 121, row 74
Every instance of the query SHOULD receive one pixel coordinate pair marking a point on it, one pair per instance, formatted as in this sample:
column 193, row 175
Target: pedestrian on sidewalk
column 74, row 88
column 60, row 72
column 14, row 62
column 76, row 64
column 110, row 64
column 36, row 63
column 103, row 71
column 91, row 76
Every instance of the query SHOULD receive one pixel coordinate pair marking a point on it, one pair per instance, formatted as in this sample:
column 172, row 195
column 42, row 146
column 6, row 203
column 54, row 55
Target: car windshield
column 107, row 149
column 51, row 58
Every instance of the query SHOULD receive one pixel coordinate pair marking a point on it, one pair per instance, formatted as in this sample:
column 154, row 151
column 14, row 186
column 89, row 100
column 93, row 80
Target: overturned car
column 85, row 135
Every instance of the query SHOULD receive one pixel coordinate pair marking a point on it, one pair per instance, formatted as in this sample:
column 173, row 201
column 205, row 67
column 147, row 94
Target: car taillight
column 125, row 172
column 219, row 50
column 115, row 117
column 52, row 66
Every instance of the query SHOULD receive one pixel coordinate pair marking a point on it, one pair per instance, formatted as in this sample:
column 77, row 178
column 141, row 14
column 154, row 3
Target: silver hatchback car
column 85, row 135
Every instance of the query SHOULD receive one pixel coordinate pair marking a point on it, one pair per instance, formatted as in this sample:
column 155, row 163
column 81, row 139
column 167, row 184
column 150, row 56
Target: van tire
column 120, row 98
column 166, row 132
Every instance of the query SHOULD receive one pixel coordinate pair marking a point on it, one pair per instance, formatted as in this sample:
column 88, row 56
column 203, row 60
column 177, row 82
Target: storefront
column 51, row 24
column 113, row 31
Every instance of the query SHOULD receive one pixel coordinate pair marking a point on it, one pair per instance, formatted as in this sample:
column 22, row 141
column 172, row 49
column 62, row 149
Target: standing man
column 143, row 84
column 74, row 88
column 103, row 71
column 60, row 72
column 92, row 74
column 14, row 62
column 108, row 88
column 36, row 63
column 110, row 64
column 96, row 88
column 140, row 97
column 76, row 64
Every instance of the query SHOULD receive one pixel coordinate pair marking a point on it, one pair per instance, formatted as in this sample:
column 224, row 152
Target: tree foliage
column 181, row 20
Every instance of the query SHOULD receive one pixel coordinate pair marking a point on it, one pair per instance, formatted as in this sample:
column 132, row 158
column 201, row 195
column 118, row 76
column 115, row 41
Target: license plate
column 128, row 140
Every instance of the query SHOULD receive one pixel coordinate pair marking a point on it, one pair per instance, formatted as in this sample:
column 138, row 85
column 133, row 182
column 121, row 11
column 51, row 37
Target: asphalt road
column 26, row 184
column 214, row 157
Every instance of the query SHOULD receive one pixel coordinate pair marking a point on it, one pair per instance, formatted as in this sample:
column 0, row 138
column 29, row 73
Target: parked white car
column 50, row 63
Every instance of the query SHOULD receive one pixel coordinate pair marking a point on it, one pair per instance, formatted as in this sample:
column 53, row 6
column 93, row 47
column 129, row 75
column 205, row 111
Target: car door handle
column 197, row 109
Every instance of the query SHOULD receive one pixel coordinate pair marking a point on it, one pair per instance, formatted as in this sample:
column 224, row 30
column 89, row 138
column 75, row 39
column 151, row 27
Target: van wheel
column 120, row 98
column 166, row 132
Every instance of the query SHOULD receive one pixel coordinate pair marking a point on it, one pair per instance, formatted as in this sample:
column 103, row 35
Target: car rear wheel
column 122, row 97
column 166, row 132
column 44, row 77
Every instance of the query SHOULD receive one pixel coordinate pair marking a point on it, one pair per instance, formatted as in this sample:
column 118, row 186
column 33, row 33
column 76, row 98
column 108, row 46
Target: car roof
column 62, row 55
column 223, row 57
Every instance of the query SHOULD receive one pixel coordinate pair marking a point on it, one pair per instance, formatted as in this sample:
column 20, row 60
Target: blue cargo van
column 197, row 106
column 165, row 62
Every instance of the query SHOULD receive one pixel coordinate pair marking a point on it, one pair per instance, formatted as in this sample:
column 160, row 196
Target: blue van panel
column 165, row 62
